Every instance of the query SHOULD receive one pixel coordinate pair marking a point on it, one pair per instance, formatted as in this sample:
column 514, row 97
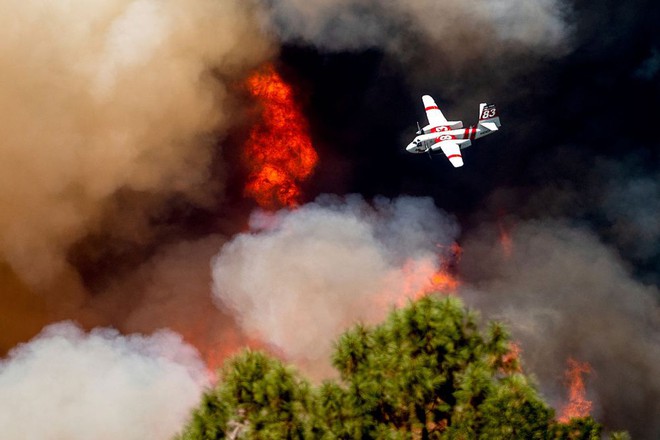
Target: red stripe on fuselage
column 473, row 132
column 432, row 107
column 466, row 134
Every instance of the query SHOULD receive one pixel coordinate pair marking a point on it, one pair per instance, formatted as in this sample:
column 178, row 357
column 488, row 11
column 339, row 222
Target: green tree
column 427, row 372
column 258, row 398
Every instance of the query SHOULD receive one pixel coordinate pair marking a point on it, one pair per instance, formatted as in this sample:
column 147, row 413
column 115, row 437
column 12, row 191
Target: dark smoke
column 566, row 294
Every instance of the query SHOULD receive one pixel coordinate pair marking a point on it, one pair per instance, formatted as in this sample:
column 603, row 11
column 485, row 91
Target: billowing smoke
column 618, row 198
column 301, row 277
column 69, row 384
column 105, row 96
column 458, row 31
column 173, row 290
column 565, row 294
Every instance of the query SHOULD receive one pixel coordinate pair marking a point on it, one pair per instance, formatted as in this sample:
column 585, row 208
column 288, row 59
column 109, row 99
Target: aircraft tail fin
column 488, row 117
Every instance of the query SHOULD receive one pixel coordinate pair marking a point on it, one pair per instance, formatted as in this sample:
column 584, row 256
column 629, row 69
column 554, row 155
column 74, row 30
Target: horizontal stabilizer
column 490, row 126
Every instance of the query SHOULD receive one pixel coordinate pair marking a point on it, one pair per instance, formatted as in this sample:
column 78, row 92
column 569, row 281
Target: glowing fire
column 422, row 276
column 279, row 151
column 511, row 360
column 444, row 280
column 578, row 405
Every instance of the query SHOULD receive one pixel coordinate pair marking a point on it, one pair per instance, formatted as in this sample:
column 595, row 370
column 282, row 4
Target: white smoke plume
column 301, row 277
column 69, row 384
column 107, row 95
column 465, row 29
column 565, row 294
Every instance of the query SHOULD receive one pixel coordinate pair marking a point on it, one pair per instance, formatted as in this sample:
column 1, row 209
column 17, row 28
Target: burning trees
column 427, row 372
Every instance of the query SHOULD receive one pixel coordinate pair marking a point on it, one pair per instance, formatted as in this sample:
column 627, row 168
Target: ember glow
column 505, row 239
column 511, row 360
column 444, row 280
column 215, row 356
column 279, row 151
column 422, row 277
column 578, row 405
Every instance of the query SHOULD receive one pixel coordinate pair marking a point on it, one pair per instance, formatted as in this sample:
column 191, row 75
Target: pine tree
column 427, row 372
column 258, row 398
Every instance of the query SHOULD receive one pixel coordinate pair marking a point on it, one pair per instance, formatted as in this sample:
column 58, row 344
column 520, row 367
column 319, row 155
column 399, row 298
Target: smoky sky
column 579, row 140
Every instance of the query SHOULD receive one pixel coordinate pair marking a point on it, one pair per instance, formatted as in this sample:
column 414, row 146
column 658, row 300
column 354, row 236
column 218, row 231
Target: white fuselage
column 432, row 136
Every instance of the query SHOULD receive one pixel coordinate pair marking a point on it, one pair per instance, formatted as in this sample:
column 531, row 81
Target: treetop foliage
column 427, row 372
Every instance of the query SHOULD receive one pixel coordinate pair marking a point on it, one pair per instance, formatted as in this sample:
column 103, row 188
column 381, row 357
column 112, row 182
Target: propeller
column 419, row 130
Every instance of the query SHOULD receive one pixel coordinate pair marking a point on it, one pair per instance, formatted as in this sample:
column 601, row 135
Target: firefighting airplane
column 450, row 136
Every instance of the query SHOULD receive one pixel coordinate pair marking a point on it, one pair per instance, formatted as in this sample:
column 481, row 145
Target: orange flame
column 511, row 360
column 422, row 277
column 279, row 151
column 578, row 405
column 444, row 280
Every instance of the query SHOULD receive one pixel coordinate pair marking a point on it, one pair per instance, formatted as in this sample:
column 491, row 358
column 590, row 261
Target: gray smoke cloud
column 566, row 294
column 301, row 277
column 460, row 51
column 464, row 30
column 619, row 199
column 109, row 95
column 66, row 383
column 630, row 201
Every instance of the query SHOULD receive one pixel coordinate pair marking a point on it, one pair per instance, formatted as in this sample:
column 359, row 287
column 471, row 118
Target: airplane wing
column 433, row 113
column 452, row 150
